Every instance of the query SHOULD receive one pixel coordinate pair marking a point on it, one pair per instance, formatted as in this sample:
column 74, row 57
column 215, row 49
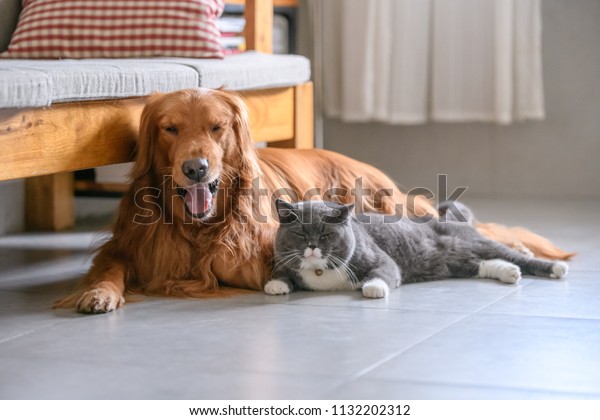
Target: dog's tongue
column 198, row 199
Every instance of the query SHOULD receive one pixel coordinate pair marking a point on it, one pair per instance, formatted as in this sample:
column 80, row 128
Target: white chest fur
column 328, row 280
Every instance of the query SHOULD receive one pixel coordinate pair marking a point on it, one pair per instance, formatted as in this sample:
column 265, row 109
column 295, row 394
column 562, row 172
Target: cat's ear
column 345, row 211
column 350, row 209
column 285, row 211
column 341, row 213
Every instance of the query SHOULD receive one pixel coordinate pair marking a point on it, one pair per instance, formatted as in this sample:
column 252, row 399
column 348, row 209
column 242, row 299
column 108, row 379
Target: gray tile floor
column 451, row 339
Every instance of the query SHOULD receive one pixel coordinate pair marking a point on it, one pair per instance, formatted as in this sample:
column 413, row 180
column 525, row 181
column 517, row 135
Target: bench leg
column 49, row 202
column 304, row 117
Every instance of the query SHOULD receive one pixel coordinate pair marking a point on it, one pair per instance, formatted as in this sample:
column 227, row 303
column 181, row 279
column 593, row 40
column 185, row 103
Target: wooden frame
column 47, row 144
column 69, row 137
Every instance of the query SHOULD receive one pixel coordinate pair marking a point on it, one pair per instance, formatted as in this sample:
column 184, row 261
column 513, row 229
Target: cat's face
column 313, row 235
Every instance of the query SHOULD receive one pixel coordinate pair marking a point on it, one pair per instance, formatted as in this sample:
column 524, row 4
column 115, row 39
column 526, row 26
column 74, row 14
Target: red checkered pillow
column 116, row 29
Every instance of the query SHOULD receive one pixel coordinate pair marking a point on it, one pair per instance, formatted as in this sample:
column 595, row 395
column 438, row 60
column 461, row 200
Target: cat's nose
column 312, row 246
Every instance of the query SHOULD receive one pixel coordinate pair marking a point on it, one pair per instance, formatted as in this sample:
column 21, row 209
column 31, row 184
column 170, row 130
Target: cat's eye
column 299, row 234
column 326, row 236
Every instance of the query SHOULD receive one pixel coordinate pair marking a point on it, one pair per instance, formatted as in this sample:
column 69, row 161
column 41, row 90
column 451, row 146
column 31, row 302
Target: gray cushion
column 19, row 86
column 251, row 70
column 31, row 83
column 77, row 80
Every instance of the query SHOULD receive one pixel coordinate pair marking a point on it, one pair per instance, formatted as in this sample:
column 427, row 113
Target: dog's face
column 199, row 137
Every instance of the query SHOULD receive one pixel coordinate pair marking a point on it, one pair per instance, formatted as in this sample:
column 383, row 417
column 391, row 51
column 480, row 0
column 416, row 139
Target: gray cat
column 320, row 246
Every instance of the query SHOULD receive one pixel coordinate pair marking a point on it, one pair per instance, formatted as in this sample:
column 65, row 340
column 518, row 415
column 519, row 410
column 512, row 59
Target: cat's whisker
column 286, row 253
column 283, row 254
column 346, row 263
column 335, row 264
column 284, row 262
column 340, row 273
column 353, row 280
column 343, row 265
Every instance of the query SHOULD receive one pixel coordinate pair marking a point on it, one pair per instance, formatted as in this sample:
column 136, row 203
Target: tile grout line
column 14, row 337
column 501, row 297
column 386, row 359
column 529, row 315
column 374, row 308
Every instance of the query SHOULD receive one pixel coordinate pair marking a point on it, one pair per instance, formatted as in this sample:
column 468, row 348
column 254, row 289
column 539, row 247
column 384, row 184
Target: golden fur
column 158, row 248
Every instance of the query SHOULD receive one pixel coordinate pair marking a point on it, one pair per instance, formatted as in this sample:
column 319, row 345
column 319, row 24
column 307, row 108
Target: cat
column 321, row 246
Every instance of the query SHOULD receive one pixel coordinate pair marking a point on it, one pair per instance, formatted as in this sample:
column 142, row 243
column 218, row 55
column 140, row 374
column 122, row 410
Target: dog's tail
column 521, row 238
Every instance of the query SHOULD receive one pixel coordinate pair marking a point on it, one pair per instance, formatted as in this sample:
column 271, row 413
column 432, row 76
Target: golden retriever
column 198, row 212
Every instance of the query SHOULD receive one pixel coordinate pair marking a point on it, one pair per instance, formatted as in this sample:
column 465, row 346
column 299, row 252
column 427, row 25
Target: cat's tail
column 455, row 211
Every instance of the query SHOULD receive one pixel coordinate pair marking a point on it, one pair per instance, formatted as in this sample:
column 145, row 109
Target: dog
column 199, row 211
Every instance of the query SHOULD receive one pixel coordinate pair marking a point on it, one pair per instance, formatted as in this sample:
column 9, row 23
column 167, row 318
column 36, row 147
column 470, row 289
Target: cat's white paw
column 501, row 270
column 559, row 270
column 510, row 274
column 375, row 289
column 277, row 287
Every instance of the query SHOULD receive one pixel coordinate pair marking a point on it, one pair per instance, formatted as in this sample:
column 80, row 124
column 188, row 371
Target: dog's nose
column 195, row 169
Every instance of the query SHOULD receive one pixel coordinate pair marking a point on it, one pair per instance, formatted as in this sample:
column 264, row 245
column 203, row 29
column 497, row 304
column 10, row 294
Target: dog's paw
column 375, row 289
column 559, row 270
column 277, row 287
column 99, row 300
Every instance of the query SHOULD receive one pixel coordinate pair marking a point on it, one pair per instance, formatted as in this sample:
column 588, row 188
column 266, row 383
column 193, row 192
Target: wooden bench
column 45, row 145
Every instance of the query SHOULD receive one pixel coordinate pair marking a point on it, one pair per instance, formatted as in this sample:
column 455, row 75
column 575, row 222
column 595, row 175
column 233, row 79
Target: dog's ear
column 148, row 135
column 245, row 159
column 248, row 168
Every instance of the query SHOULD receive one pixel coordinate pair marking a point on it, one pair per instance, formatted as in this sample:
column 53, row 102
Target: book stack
column 232, row 37
column 232, row 34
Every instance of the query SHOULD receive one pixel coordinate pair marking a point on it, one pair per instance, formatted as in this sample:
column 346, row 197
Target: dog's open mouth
column 198, row 198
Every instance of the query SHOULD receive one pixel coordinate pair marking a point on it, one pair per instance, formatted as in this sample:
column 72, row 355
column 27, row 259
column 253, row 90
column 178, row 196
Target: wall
column 555, row 157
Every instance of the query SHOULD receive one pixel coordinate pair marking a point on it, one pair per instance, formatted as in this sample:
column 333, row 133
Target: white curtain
column 413, row 61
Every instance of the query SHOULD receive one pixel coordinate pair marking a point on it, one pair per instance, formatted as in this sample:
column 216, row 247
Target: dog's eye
column 215, row 128
column 171, row 129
